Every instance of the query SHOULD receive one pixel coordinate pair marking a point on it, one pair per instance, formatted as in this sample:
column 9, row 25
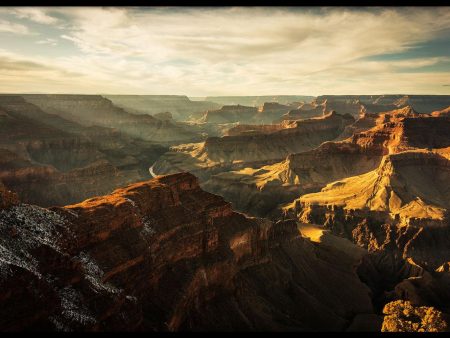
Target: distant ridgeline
column 378, row 103
column 258, row 100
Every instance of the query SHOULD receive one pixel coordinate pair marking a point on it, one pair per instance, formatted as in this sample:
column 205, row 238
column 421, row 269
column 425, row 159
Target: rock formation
column 398, row 211
column 48, row 160
column 354, row 190
column 301, row 135
column 230, row 114
column 164, row 255
column 403, row 317
column 89, row 110
column 256, row 101
column 181, row 107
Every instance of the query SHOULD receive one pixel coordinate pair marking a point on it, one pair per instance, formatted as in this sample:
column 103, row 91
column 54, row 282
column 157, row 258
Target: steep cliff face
column 304, row 136
column 165, row 255
column 263, row 190
column 91, row 110
column 305, row 111
column 48, row 160
column 378, row 103
column 256, row 191
column 263, row 146
column 230, row 114
column 425, row 103
column 272, row 111
column 405, row 129
column 400, row 214
column 323, row 105
column 365, row 122
column 386, row 192
column 410, row 187
column 344, row 106
column 253, row 129
column 265, row 114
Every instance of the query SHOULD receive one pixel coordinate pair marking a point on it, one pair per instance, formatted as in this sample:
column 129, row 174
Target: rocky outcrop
column 400, row 214
column 404, row 317
column 254, row 129
column 255, row 150
column 263, row 190
column 399, row 211
column 323, row 105
column 164, row 255
column 304, row 136
column 394, row 191
column 341, row 105
column 404, row 129
column 365, row 122
column 230, row 114
column 266, row 114
column 305, row 111
column 272, row 111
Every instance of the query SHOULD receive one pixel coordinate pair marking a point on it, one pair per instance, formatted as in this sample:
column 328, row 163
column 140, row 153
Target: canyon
column 270, row 213
column 165, row 255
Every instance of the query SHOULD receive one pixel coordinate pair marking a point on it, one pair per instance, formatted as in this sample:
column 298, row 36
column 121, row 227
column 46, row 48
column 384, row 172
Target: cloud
column 15, row 28
column 35, row 14
column 16, row 65
column 226, row 51
column 47, row 41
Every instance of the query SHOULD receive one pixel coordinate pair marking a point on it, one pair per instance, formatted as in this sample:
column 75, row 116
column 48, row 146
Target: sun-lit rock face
column 217, row 154
column 409, row 187
column 398, row 211
column 444, row 112
column 404, row 129
column 323, row 105
column 404, row 317
column 165, row 255
column 260, row 191
column 255, row 129
column 305, row 135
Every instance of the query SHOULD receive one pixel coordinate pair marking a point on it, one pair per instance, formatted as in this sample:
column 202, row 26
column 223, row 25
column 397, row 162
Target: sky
column 211, row 51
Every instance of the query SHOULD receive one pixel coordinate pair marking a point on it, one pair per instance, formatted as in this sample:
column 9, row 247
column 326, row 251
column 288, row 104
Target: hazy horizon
column 201, row 52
